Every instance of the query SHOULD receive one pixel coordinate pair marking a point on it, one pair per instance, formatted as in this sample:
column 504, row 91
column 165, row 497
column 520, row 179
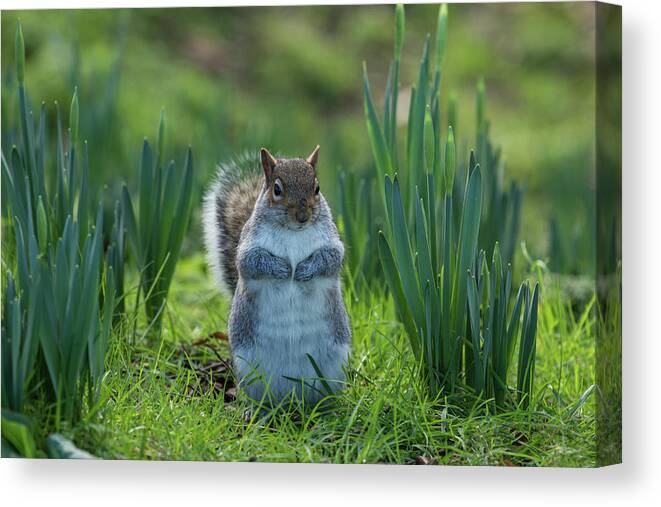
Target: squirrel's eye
column 277, row 189
column 316, row 190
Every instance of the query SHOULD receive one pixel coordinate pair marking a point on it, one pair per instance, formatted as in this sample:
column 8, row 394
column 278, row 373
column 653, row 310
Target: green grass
column 150, row 408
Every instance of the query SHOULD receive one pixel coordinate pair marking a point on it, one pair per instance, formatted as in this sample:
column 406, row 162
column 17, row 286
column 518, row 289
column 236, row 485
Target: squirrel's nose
column 302, row 216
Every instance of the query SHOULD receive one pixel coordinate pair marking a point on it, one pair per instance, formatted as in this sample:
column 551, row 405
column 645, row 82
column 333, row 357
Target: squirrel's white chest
column 291, row 245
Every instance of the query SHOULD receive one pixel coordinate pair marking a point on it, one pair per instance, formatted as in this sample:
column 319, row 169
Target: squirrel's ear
column 312, row 159
column 268, row 163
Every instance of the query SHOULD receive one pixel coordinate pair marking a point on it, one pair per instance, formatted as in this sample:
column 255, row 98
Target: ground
column 171, row 399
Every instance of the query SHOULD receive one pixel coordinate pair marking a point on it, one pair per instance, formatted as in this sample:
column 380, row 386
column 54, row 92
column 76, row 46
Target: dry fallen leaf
column 424, row 460
column 230, row 394
column 219, row 335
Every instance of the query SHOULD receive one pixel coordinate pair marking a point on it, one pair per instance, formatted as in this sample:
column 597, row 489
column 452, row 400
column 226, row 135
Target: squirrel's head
column 292, row 186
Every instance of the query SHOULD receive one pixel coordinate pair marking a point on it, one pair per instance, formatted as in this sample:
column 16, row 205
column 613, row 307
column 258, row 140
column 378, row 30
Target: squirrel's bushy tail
column 228, row 204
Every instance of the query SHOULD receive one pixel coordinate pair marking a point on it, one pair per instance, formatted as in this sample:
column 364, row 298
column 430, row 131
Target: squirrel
column 273, row 247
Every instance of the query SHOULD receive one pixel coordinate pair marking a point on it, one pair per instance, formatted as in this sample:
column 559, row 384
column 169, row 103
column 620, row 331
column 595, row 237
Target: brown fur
column 233, row 214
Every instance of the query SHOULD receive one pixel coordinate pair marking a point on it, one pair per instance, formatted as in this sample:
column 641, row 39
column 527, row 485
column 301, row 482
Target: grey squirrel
column 273, row 247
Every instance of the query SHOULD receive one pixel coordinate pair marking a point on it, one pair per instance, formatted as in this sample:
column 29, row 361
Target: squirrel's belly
column 293, row 312
column 291, row 322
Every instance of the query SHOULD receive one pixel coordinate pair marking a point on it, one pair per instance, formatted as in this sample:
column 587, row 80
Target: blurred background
column 289, row 78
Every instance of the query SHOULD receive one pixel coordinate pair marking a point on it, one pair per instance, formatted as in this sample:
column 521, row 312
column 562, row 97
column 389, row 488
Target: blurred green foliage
column 290, row 77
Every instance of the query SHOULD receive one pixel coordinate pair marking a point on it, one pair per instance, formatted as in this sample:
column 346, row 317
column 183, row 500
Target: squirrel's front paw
column 303, row 272
column 282, row 269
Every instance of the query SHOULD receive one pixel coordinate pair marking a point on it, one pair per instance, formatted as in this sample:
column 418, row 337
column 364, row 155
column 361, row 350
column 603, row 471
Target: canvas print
column 323, row 234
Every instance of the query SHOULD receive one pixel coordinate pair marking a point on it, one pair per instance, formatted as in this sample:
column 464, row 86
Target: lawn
column 158, row 403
